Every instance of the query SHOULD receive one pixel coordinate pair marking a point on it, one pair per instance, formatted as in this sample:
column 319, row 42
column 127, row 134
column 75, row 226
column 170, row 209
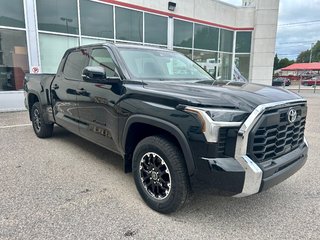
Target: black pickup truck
column 173, row 124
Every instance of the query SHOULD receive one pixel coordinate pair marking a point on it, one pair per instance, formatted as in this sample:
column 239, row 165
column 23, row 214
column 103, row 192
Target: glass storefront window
column 52, row 48
column 13, row 59
column 242, row 64
column 12, row 13
column 182, row 36
column 243, row 43
column 87, row 41
column 186, row 52
column 58, row 16
column 96, row 19
column 207, row 60
column 225, row 66
column 206, row 37
column 156, row 29
column 129, row 25
column 226, row 40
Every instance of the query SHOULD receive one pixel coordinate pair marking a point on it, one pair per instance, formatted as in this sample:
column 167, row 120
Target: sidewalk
column 12, row 101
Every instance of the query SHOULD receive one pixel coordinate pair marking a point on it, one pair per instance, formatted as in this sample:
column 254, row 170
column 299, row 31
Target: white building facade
column 224, row 38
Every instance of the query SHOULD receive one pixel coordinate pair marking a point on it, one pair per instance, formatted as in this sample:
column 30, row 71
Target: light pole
column 67, row 20
column 310, row 60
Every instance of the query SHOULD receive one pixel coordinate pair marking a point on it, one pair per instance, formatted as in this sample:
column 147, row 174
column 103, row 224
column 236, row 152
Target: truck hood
column 245, row 97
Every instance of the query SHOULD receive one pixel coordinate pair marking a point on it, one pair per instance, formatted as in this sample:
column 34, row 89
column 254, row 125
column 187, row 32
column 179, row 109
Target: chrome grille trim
column 253, row 174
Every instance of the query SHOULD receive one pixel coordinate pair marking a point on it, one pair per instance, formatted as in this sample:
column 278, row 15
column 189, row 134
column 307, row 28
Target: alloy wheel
column 155, row 175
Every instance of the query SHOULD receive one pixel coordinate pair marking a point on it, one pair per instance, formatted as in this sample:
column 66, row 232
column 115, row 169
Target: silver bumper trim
column 253, row 174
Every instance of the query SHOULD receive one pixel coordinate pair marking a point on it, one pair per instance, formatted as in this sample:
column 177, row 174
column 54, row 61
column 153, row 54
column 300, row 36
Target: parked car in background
column 281, row 81
column 311, row 81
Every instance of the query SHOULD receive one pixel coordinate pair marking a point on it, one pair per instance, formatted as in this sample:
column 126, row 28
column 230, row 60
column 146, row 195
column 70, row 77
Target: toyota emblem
column 292, row 115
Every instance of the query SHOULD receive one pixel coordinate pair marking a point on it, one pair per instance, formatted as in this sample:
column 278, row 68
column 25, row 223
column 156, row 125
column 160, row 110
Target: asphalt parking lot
column 68, row 188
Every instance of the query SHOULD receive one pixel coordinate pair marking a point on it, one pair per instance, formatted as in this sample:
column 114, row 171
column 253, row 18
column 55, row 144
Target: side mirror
column 94, row 74
column 98, row 75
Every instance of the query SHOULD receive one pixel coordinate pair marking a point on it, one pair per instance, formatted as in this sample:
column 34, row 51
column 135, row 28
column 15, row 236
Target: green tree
column 285, row 62
column 276, row 63
column 304, row 57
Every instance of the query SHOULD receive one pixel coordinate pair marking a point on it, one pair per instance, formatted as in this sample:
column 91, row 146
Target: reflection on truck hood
column 245, row 97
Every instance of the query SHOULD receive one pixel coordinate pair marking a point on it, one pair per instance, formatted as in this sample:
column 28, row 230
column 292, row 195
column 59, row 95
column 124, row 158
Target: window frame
column 145, row 24
column 116, row 31
column 82, row 15
column 223, row 33
column 23, row 19
column 241, row 51
column 68, row 27
column 192, row 33
column 196, row 25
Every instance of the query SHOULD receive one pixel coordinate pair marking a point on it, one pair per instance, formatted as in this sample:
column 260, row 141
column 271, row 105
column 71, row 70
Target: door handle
column 56, row 86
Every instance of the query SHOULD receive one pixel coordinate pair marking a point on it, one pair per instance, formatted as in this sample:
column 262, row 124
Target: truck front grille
column 274, row 136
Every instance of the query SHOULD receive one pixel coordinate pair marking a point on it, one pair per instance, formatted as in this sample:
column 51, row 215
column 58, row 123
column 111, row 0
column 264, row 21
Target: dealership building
column 229, row 41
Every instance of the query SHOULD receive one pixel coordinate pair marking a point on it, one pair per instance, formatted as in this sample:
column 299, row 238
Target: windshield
column 153, row 64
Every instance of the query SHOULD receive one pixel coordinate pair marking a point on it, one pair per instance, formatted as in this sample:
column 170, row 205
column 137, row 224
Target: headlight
column 213, row 119
column 227, row 115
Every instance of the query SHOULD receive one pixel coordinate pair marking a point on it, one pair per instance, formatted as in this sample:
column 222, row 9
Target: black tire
column 41, row 129
column 165, row 188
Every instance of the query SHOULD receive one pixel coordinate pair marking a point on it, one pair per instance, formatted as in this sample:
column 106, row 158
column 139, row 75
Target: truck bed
column 39, row 84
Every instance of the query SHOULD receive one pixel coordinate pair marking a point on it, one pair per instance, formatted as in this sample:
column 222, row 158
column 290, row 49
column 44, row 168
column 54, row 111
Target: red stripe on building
column 141, row 8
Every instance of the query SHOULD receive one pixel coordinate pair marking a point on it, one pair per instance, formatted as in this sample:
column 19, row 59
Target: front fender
column 166, row 126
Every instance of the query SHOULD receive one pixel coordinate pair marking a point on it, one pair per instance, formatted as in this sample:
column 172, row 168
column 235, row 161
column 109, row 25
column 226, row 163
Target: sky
column 298, row 26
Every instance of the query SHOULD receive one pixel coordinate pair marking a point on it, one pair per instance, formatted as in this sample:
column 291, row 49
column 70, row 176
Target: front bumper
column 241, row 175
column 283, row 167
column 228, row 175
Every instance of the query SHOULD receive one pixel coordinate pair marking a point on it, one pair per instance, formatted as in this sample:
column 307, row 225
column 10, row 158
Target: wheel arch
column 152, row 126
column 32, row 98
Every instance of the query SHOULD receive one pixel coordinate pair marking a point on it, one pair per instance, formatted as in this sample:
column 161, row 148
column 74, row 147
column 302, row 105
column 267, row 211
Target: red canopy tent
column 315, row 66
column 299, row 71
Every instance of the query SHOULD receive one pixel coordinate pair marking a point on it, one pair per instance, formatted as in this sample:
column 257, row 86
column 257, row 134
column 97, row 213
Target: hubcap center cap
column 154, row 175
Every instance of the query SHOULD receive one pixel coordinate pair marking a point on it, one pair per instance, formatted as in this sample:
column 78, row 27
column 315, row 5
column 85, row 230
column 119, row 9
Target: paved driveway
column 68, row 188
